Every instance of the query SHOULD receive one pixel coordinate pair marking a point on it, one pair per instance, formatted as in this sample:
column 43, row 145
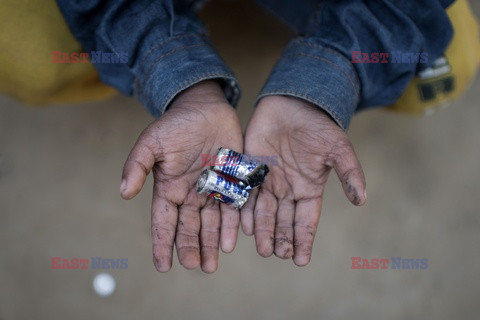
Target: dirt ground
column 59, row 178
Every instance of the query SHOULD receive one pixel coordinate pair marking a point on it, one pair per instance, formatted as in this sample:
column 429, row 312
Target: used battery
column 222, row 188
column 241, row 167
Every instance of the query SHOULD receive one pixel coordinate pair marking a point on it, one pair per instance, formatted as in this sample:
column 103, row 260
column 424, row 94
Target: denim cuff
column 318, row 74
column 177, row 64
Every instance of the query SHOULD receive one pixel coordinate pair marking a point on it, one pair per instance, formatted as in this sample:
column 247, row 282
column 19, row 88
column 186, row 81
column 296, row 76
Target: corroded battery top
column 241, row 167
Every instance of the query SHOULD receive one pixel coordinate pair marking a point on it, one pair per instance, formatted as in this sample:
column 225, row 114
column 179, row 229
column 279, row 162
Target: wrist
column 285, row 106
column 289, row 111
column 207, row 92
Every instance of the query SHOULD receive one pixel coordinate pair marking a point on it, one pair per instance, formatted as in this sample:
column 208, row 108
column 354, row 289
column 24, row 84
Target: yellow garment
column 30, row 31
column 431, row 92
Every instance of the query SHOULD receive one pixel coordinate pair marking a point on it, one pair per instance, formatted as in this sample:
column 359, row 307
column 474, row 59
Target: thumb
column 139, row 163
column 350, row 173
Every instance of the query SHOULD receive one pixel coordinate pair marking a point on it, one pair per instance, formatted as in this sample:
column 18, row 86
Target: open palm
column 198, row 122
column 284, row 213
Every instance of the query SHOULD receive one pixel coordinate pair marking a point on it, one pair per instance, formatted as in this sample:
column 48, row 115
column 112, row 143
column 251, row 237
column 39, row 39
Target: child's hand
column 308, row 144
column 199, row 121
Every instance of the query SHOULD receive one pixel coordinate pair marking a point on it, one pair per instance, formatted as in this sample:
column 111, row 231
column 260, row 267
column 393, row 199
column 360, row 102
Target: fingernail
column 209, row 266
column 301, row 261
column 162, row 264
column 365, row 195
column 123, row 186
column 161, row 267
column 228, row 245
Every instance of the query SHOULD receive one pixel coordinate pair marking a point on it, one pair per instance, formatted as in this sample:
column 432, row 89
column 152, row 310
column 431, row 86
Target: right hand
column 199, row 121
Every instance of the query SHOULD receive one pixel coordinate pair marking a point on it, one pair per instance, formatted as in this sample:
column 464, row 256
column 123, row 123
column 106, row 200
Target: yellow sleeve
column 29, row 31
column 451, row 75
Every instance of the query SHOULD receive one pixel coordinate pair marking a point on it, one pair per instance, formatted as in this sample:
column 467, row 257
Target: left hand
column 307, row 143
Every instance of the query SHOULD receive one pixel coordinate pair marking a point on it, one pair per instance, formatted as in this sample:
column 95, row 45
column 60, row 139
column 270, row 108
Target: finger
column 209, row 236
column 307, row 214
column 187, row 242
column 139, row 163
column 350, row 173
column 164, row 223
column 229, row 229
column 265, row 210
column 246, row 213
column 284, row 229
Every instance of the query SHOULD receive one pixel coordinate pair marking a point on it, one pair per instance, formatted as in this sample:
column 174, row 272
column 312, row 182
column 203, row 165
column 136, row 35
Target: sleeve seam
column 151, row 66
column 159, row 45
column 188, row 83
column 330, row 62
column 330, row 50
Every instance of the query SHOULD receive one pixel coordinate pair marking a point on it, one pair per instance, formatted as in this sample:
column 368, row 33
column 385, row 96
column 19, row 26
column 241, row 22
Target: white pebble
column 104, row 284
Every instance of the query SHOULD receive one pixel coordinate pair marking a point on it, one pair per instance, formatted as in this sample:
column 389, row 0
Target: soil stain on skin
column 352, row 193
column 285, row 245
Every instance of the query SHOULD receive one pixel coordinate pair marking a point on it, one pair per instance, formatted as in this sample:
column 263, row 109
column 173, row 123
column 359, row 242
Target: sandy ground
column 59, row 176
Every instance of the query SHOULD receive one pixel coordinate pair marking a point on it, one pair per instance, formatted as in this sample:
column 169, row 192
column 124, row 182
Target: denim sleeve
column 167, row 47
column 317, row 65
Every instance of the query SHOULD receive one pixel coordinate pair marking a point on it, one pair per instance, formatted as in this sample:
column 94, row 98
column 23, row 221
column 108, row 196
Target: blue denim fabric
column 169, row 50
column 316, row 65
